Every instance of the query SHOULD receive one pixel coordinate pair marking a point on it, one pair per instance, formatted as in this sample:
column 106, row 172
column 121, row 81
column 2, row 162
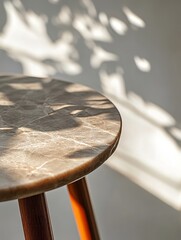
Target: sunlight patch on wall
column 33, row 32
column 133, row 18
column 18, row 4
column 103, row 18
column 91, row 29
column 100, row 55
column 64, row 16
column 118, row 26
column 142, row 64
column 150, row 143
column 91, row 9
column 70, row 68
column 153, row 112
column 176, row 132
column 53, row 1
column 113, row 84
column 61, row 55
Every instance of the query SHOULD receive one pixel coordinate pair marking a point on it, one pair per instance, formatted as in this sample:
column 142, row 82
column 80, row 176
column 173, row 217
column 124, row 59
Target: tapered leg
column 83, row 212
column 35, row 218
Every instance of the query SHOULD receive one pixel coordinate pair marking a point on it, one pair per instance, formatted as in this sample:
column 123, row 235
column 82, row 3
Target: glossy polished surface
column 51, row 133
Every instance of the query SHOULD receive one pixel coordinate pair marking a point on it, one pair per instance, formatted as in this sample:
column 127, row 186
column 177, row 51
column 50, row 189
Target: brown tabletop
column 51, row 133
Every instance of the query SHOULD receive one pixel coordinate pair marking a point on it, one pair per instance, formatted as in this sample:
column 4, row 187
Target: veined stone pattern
column 51, row 133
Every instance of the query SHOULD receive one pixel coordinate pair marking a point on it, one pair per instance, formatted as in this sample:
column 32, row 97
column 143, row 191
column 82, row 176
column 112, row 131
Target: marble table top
column 51, row 133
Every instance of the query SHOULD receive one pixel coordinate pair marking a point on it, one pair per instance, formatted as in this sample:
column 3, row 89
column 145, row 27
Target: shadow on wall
column 53, row 38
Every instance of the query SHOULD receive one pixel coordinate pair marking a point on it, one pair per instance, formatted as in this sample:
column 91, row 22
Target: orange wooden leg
column 83, row 212
column 35, row 218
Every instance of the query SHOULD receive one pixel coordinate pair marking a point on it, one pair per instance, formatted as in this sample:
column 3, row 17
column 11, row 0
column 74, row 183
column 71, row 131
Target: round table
column 52, row 133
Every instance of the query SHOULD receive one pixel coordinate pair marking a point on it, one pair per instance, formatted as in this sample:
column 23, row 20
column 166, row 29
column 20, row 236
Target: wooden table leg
column 83, row 212
column 35, row 218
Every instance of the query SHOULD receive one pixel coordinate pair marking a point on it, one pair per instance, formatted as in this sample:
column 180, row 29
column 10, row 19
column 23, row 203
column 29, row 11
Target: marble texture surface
column 51, row 133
